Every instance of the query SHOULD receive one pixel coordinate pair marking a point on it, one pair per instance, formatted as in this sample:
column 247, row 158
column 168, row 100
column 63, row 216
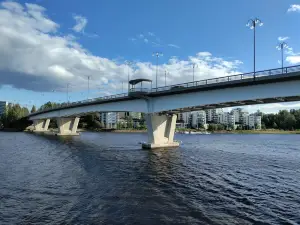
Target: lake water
column 106, row 178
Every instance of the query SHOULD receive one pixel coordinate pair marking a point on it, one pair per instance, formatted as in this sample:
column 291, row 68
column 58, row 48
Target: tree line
column 283, row 120
column 12, row 116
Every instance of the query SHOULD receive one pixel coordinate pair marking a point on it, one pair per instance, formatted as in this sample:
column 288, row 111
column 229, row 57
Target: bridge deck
column 246, row 79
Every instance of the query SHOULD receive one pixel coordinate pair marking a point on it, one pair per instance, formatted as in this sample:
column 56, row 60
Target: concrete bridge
column 162, row 104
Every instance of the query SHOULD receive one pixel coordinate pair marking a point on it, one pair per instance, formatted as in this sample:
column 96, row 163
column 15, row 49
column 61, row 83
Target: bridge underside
column 234, row 104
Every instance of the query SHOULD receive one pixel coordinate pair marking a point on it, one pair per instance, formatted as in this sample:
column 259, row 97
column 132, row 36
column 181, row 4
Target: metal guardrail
column 199, row 83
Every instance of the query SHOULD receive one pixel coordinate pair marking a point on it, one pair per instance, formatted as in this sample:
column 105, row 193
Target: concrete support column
column 161, row 129
column 67, row 126
column 41, row 125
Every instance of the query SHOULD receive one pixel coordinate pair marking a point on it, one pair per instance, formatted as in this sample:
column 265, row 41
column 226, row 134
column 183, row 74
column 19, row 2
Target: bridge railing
column 68, row 104
column 216, row 80
column 236, row 77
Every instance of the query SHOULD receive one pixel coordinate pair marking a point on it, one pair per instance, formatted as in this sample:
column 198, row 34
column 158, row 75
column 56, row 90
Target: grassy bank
column 265, row 132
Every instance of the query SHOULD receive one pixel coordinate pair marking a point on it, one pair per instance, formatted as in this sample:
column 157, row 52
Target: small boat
column 196, row 132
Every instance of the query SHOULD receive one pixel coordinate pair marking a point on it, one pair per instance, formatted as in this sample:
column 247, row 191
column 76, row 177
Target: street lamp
column 157, row 54
column 68, row 84
column 128, row 63
column 252, row 23
column 166, row 72
column 281, row 46
column 194, row 65
column 88, row 97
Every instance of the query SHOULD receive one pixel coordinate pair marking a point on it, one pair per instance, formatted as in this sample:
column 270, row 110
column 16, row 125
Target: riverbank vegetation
column 282, row 122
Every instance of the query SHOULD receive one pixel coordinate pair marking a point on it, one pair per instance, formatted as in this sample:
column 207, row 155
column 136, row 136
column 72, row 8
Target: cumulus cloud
column 35, row 57
column 81, row 23
column 294, row 8
column 294, row 59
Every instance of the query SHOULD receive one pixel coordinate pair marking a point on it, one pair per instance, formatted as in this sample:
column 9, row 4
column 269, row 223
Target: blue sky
column 66, row 41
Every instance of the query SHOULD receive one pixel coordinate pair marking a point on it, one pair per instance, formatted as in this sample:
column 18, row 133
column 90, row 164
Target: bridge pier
column 41, row 125
column 67, row 126
column 161, row 130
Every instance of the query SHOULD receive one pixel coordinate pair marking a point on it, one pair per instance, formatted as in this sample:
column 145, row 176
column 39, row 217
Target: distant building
column 109, row 119
column 212, row 115
column 3, row 105
column 198, row 119
column 134, row 115
column 238, row 115
column 227, row 119
column 252, row 121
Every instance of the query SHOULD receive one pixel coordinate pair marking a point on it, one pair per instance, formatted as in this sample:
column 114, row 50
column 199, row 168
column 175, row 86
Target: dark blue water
column 105, row 178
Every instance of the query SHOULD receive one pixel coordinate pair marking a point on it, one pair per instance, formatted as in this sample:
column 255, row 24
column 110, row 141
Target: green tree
column 33, row 109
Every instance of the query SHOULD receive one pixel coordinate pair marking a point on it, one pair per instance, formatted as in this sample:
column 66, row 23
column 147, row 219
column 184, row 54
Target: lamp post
column 166, row 72
column 157, row 54
column 252, row 23
column 281, row 46
column 194, row 65
column 68, row 84
column 88, row 96
column 128, row 63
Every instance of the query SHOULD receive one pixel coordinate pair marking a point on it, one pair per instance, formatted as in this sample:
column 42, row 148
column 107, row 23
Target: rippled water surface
column 105, row 178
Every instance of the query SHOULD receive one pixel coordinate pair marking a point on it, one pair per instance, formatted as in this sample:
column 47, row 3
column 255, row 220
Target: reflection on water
column 106, row 178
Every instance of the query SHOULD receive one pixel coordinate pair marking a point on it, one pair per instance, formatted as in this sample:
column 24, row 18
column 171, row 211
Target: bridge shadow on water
column 117, row 182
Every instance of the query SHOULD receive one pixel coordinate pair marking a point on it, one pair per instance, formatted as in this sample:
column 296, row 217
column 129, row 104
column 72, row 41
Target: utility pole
column 252, row 23
column 157, row 54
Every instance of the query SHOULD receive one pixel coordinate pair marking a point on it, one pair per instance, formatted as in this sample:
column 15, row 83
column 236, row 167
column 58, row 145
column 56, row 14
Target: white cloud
column 294, row 8
column 35, row 57
column 292, row 58
column 295, row 59
column 173, row 46
column 151, row 34
column 141, row 36
column 81, row 23
column 146, row 40
column 283, row 38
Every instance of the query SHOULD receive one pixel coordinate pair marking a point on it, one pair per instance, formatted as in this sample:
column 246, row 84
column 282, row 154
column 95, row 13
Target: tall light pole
column 194, row 65
column 157, row 54
column 68, row 92
column 281, row 46
column 88, row 86
column 166, row 72
column 122, row 87
column 128, row 63
column 252, row 23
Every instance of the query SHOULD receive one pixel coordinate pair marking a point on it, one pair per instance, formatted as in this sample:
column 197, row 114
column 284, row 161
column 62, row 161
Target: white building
column 212, row 115
column 198, row 119
column 227, row 119
column 109, row 119
column 238, row 115
column 252, row 121
column 3, row 105
column 134, row 115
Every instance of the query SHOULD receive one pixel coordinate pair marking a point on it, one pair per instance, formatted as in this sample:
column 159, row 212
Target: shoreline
column 271, row 131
